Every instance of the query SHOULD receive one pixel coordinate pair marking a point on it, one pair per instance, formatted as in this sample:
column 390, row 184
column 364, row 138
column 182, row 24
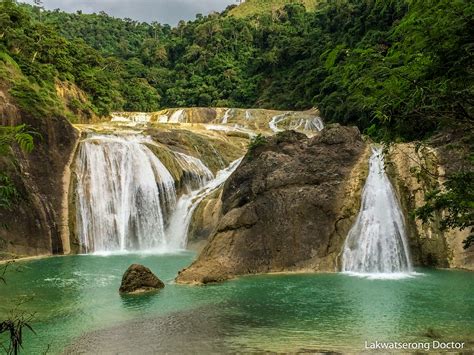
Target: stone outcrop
column 415, row 171
column 33, row 226
column 288, row 207
column 205, row 220
column 139, row 279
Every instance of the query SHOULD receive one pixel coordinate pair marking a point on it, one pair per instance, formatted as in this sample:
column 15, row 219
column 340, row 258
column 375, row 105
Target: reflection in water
column 77, row 304
column 136, row 302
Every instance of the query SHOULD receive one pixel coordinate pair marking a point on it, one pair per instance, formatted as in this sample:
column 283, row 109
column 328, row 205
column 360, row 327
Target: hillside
column 253, row 7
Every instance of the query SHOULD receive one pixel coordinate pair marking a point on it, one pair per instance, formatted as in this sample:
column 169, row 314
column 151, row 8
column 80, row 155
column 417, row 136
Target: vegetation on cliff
column 19, row 136
column 399, row 69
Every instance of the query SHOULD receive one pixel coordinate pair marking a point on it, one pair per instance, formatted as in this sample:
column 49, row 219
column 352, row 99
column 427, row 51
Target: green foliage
column 15, row 325
column 257, row 7
column 23, row 136
column 255, row 142
column 456, row 201
column 398, row 69
column 8, row 192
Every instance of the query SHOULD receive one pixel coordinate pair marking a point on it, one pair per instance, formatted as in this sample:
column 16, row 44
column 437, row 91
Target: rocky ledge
column 288, row 207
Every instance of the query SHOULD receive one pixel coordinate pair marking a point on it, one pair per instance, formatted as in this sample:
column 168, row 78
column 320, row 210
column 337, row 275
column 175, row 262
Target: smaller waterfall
column 226, row 116
column 248, row 115
column 314, row 124
column 273, row 124
column 123, row 195
column 163, row 119
column 377, row 242
column 177, row 231
column 177, row 116
column 136, row 117
column 196, row 174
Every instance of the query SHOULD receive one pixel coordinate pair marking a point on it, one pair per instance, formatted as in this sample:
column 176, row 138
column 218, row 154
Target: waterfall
column 177, row 116
column 314, row 124
column 196, row 174
column 180, row 220
column 163, row 119
column 122, row 192
column 226, row 116
column 377, row 242
column 273, row 124
column 126, row 198
column 137, row 117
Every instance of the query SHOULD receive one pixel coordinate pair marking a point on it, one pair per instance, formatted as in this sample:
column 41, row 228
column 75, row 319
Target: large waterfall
column 122, row 189
column 126, row 198
column 377, row 242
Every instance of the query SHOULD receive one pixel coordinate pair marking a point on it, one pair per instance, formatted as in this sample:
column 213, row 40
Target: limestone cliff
column 313, row 182
column 415, row 171
column 34, row 225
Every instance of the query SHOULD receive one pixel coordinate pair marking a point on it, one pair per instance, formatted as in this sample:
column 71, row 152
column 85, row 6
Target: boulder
column 139, row 278
column 288, row 207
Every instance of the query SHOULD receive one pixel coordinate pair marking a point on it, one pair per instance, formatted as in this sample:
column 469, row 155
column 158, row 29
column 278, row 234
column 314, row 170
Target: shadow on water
column 139, row 301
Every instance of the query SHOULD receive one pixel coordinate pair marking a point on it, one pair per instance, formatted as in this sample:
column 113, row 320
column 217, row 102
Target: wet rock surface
column 288, row 207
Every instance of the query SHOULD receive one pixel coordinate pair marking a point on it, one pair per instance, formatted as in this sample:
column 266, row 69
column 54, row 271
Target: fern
column 22, row 135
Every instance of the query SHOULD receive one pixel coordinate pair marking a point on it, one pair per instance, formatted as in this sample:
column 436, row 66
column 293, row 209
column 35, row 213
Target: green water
column 76, row 295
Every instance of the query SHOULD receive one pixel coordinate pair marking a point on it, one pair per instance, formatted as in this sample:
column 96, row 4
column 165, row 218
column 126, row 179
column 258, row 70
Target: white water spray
column 273, row 124
column 377, row 244
column 226, row 116
column 196, row 174
column 122, row 191
column 136, row 117
column 177, row 231
column 177, row 116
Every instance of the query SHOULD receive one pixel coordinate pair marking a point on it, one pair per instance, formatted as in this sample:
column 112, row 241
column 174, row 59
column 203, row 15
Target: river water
column 77, row 306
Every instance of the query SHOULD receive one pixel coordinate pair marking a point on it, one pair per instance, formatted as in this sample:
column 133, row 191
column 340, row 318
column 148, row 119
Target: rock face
column 34, row 225
column 205, row 218
column 415, row 171
column 288, row 207
column 138, row 279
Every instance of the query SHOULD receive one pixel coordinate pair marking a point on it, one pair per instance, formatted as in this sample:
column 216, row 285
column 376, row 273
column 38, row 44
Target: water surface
column 77, row 306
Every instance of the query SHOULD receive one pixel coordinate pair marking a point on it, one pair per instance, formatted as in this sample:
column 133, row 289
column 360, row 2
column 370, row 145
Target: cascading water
column 377, row 242
column 273, row 124
column 177, row 231
column 196, row 174
column 122, row 191
column 314, row 124
column 126, row 198
column 177, row 116
column 226, row 116
column 137, row 117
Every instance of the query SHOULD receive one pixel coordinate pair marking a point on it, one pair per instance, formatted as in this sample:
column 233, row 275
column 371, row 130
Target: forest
column 329, row 139
column 400, row 70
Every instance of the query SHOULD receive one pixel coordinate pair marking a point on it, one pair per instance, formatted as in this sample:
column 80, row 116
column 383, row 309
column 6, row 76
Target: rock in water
column 288, row 207
column 139, row 278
